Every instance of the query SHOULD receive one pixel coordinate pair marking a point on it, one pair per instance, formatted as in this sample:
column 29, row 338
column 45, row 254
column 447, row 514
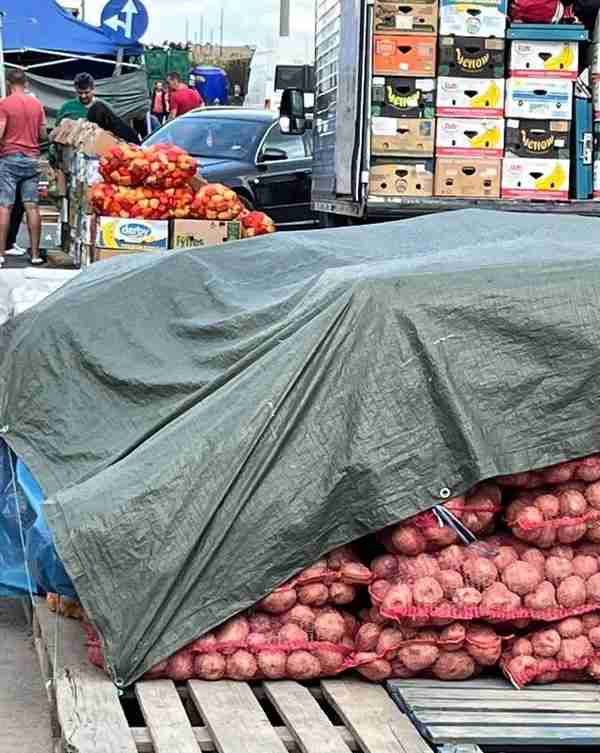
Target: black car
column 246, row 150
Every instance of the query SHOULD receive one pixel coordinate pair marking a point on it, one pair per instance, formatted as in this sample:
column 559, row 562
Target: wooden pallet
column 490, row 712
column 337, row 716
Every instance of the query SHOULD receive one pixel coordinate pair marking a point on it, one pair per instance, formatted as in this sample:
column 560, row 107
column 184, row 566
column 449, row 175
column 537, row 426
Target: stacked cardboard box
column 596, row 107
column 539, row 107
column 403, row 98
column 470, row 99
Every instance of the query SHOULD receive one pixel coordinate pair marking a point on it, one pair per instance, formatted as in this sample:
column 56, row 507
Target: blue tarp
column 24, row 535
column 44, row 25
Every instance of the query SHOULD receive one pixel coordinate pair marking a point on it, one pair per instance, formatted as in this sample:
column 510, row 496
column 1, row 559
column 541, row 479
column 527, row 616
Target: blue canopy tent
column 43, row 26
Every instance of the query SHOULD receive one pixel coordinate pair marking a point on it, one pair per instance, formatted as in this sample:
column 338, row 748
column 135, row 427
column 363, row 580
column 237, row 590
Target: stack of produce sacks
column 157, row 183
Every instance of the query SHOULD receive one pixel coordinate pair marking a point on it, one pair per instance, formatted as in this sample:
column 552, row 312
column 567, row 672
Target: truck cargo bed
column 387, row 207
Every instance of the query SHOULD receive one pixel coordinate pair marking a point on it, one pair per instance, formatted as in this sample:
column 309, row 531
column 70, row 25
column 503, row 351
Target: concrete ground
column 24, row 709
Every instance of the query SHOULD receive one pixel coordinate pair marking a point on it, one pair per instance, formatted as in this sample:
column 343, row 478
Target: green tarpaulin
column 206, row 423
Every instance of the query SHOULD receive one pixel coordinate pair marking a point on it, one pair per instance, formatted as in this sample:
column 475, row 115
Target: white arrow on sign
column 114, row 22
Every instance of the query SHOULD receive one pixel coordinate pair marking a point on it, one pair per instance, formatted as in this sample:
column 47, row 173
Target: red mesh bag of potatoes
column 560, row 514
column 458, row 651
column 255, row 224
column 169, row 166
column 124, row 165
column 567, row 650
column 301, row 644
column 335, row 579
column 477, row 511
column 217, row 202
column 101, row 196
column 500, row 579
column 585, row 469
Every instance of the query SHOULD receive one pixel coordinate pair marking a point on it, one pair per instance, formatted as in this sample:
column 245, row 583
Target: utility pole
column 222, row 25
column 284, row 18
column 83, row 10
column 187, row 30
column 201, row 29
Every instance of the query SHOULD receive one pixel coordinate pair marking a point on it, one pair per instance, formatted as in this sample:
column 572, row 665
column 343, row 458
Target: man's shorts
column 17, row 170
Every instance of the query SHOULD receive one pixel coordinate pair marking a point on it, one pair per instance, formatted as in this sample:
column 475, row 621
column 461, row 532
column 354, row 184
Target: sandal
column 36, row 262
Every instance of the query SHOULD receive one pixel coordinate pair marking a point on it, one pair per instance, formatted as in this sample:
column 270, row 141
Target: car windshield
column 214, row 138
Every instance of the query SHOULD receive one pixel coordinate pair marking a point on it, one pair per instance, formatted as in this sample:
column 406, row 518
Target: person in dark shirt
column 144, row 123
column 100, row 113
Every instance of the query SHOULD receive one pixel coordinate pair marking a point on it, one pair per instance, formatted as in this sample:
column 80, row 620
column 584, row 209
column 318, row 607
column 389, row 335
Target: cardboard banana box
column 473, row 19
column 403, row 178
column 537, row 139
column 471, row 57
column 539, row 179
column 544, row 59
column 406, row 55
column 402, row 137
column 414, row 17
column 469, row 137
column 539, row 98
column 403, row 97
column 133, row 234
column 470, row 97
column 477, row 178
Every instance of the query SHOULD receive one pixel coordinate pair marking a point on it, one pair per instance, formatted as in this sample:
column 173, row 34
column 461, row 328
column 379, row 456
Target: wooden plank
column 516, row 704
column 512, row 735
column 486, row 683
column 143, row 741
column 169, row 726
column 519, row 718
column 87, row 702
column 234, row 717
column 374, row 719
column 304, row 718
column 492, row 696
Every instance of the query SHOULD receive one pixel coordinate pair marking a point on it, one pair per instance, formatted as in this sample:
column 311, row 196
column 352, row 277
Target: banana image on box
column 544, row 59
column 470, row 97
column 540, row 179
column 469, row 137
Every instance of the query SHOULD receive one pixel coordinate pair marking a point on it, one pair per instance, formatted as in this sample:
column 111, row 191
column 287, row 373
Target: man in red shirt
column 22, row 128
column 182, row 99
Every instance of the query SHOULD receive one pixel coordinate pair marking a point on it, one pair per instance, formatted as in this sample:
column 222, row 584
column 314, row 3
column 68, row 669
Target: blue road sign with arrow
column 124, row 21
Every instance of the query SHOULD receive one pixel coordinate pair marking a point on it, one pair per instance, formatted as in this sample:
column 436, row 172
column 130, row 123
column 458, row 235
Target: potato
column 452, row 637
column 438, row 536
column 479, row 572
column 498, row 597
column 592, row 495
column 339, row 557
column 260, row 622
column 522, row 578
column 505, row 556
column 588, row 469
column 455, row 665
column 450, row 581
column 418, row 657
column 372, row 667
column 300, row 615
column 451, row 558
column 585, row 566
column 235, row 630
column 571, row 592
column 271, row 663
column 398, row 597
column 594, row 636
column 548, row 505
column 534, row 557
column 209, row 666
column 379, row 589
column 593, row 534
column 355, row 573
column 292, row 633
column 241, row 665
column 544, row 597
column 547, row 672
column 593, row 588
column 341, row 593
column 522, row 647
column 590, row 620
column 485, row 656
column 564, row 551
column 376, row 616
column 467, row 597
column 522, row 669
column 385, row 567
column 331, row 661
column 351, row 624
column 388, row 642
column 330, row 627
column 593, row 668
column 401, row 671
column 427, row 592
column 571, row 534
column 557, row 569
column 571, row 627
column 573, row 504
column 546, row 643
column 529, row 520
column 313, row 595
column 407, row 539
column 278, row 602
column 180, row 666
column 575, row 650
column 301, row 665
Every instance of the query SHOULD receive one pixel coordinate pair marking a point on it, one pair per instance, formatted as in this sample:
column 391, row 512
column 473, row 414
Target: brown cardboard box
column 416, row 17
column 407, row 178
column 477, row 178
column 407, row 55
column 195, row 233
column 101, row 254
column 402, row 137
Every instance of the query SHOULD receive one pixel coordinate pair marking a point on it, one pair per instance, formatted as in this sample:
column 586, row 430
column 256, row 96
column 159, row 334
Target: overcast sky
column 254, row 23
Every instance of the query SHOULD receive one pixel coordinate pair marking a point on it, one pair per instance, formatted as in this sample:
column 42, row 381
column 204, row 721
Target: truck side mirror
column 292, row 117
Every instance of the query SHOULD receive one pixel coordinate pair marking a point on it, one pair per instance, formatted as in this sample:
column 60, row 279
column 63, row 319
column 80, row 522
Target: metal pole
column 222, row 24
column 201, row 29
column 284, row 18
column 187, row 30
column 83, row 10
column 2, row 71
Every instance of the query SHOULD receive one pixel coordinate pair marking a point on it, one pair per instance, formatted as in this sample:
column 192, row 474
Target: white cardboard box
column 539, row 98
column 470, row 97
column 544, row 59
column 596, row 95
column 470, row 137
column 472, row 19
column 542, row 179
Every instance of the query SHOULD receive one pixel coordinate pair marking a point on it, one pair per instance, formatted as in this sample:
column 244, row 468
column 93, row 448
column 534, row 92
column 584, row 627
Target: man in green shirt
column 72, row 109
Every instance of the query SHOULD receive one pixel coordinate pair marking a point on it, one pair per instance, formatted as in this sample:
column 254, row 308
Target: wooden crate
column 336, row 716
column 491, row 713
